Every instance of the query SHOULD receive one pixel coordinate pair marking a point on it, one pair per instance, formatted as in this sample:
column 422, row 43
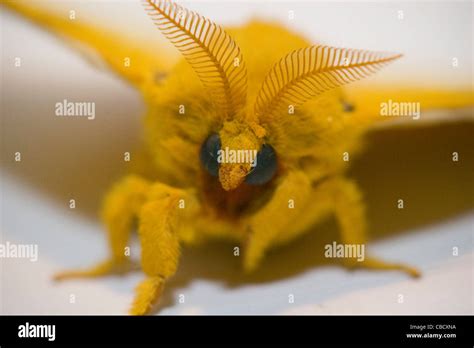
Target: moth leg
column 267, row 224
column 120, row 208
column 350, row 214
column 160, row 245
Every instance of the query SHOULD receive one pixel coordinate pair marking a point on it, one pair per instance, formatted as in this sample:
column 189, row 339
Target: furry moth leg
column 267, row 224
column 349, row 211
column 160, row 245
column 120, row 208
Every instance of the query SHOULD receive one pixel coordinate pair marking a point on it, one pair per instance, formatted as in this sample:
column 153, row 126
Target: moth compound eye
column 266, row 167
column 208, row 154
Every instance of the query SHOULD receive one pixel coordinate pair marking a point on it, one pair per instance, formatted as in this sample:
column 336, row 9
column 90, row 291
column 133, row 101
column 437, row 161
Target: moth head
column 238, row 151
column 238, row 154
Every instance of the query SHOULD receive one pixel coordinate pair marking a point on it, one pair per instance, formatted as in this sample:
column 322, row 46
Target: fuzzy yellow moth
column 239, row 142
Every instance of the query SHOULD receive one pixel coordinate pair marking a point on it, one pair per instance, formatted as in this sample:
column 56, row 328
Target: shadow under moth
column 239, row 140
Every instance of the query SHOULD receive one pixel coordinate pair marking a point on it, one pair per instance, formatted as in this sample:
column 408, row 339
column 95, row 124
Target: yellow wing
column 137, row 62
column 435, row 105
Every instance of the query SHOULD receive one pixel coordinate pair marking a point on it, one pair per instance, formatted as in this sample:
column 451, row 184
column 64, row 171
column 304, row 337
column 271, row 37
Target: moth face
column 238, row 153
column 239, row 158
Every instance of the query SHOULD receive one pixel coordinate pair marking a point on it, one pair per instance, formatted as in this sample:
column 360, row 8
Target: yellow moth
column 239, row 143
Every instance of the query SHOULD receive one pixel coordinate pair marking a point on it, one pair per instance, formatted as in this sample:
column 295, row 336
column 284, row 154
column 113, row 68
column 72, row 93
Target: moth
column 239, row 140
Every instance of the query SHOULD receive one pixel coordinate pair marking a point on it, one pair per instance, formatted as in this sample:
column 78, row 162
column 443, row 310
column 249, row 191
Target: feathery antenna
column 212, row 53
column 308, row 72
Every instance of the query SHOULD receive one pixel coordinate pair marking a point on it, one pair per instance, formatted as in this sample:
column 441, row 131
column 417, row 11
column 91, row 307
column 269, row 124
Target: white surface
column 66, row 240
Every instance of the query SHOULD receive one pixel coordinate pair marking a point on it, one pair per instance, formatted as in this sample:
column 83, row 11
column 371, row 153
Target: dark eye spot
column 208, row 154
column 347, row 107
column 266, row 167
column 160, row 77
